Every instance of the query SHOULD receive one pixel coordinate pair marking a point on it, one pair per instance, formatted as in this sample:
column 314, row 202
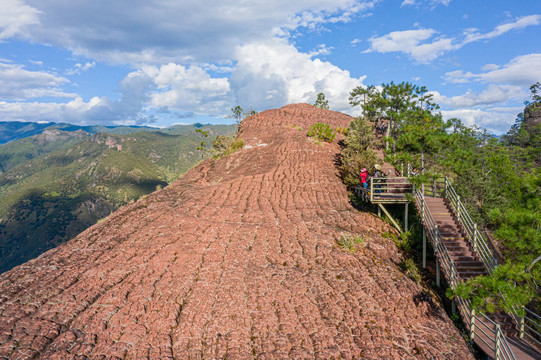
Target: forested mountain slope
column 56, row 184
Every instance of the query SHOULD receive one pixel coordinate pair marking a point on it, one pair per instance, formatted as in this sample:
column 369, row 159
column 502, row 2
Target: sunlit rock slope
column 238, row 259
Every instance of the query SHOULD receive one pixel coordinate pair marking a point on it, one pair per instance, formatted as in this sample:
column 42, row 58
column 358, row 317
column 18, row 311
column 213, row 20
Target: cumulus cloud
column 493, row 94
column 523, row 70
column 423, row 45
column 274, row 73
column 265, row 75
column 186, row 88
column 15, row 17
column 412, row 42
column 17, row 83
column 496, row 120
column 142, row 31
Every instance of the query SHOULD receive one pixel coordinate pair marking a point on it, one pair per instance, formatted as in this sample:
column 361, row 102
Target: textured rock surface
column 237, row 259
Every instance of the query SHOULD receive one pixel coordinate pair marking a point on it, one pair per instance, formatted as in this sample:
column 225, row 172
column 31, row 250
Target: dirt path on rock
column 238, row 259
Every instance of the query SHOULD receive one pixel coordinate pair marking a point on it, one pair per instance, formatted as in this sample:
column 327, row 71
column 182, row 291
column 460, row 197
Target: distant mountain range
column 14, row 130
column 56, row 183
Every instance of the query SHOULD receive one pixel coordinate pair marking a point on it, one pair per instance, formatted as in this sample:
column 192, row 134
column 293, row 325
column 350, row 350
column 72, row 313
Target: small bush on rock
column 349, row 242
column 322, row 132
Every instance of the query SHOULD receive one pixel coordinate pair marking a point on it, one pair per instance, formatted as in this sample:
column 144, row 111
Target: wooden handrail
column 498, row 342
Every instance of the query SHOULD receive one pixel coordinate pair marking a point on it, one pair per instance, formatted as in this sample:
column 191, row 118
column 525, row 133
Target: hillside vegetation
column 56, row 184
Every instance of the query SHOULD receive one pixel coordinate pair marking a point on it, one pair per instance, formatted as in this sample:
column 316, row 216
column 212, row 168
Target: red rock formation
column 237, row 259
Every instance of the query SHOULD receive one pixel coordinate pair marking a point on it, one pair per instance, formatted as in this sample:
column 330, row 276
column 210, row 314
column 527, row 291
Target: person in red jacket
column 364, row 178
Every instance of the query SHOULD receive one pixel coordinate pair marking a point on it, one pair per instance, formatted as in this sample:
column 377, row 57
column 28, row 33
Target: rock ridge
column 237, row 259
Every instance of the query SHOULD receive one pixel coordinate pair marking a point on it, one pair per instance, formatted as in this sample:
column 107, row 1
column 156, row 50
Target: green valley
column 56, row 184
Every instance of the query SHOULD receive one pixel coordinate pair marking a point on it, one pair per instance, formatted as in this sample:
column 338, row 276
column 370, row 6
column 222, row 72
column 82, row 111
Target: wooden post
column 458, row 208
column 474, row 239
column 453, row 307
column 423, row 172
column 472, row 326
column 406, row 217
column 371, row 189
column 436, row 238
column 445, row 188
column 437, row 273
column 424, row 248
column 521, row 331
column 452, row 275
column 497, row 342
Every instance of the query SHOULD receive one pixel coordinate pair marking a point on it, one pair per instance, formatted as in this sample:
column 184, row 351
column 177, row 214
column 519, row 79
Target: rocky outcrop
column 52, row 135
column 237, row 259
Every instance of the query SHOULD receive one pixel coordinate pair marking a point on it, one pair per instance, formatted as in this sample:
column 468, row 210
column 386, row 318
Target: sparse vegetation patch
column 322, row 132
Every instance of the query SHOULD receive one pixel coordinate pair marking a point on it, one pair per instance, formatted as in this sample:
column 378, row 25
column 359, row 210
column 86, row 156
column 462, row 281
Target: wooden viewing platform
column 385, row 191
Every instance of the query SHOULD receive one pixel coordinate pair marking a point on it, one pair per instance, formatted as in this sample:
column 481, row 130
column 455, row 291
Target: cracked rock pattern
column 238, row 259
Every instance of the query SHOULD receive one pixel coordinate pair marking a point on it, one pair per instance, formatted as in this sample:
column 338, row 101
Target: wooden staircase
column 462, row 252
column 466, row 260
column 467, row 264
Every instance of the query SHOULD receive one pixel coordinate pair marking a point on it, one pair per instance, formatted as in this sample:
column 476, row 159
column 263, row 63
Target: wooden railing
column 494, row 339
column 385, row 190
column 530, row 326
column 527, row 325
column 478, row 240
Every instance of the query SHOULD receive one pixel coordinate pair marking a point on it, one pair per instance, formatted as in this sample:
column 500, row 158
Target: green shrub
column 322, row 132
column 220, row 145
column 224, row 145
column 236, row 144
column 411, row 270
column 349, row 242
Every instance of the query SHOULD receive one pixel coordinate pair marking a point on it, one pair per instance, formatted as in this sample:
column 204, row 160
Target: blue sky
column 163, row 62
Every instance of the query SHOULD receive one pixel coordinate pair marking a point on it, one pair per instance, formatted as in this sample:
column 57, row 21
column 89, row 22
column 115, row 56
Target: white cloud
column 143, row 31
column 423, row 46
column 496, row 120
column 80, row 68
column 16, row 83
column 188, row 89
column 411, row 43
column 408, row 2
column 322, row 49
column 493, row 94
column 429, row 3
column 272, row 74
column 266, row 75
column 490, row 67
column 403, row 41
column 520, row 23
column 523, row 70
column 15, row 17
